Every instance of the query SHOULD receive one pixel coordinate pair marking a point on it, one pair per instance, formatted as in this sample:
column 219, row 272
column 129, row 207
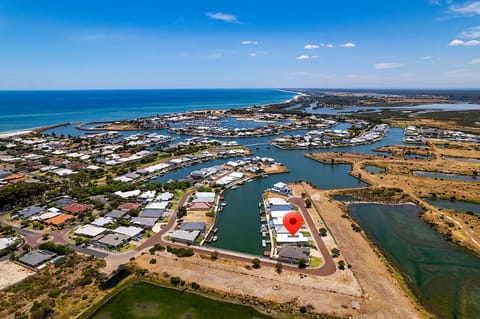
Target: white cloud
column 388, row 65
column 469, row 8
column 471, row 33
column 349, row 45
column 329, row 45
column 249, row 42
column 314, row 57
column 471, row 43
column 253, row 54
column 311, row 46
column 303, row 57
column 222, row 17
column 475, row 61
column 427, row 57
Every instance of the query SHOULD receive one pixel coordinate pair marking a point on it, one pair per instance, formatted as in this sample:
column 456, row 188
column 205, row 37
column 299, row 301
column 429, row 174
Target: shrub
column 256, row 263
column 180, row 252
column 195, row 286
column 54, row 293
column 175, row 281
column 153, row 261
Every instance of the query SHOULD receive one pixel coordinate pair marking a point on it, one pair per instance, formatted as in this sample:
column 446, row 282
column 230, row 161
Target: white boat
column 214, row 238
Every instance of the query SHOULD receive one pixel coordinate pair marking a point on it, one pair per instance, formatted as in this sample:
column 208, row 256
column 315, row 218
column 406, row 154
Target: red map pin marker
column 293, row 222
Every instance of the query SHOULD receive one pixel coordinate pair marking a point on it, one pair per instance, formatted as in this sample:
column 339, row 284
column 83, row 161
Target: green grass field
column 144, row 300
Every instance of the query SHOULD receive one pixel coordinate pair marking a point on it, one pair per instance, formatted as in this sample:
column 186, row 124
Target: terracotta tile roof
column 76, row 208
column 60, row 219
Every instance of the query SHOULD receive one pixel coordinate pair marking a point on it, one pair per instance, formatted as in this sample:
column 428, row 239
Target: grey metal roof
column 31, row 211
column 182, row 235
column 113, row 240
column 293, row 252
column 116, row 213
column 63, row 202
column 152, row 213
column 190, row 226
column 4, row 173
column 142, row 221
column 37, row 257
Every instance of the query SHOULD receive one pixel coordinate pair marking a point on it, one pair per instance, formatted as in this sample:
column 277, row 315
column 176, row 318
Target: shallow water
column 446, row 278
column 460, row 206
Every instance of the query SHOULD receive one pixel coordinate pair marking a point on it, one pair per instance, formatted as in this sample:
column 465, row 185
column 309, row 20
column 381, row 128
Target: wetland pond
column 145, row 300
column 457, row 205
column 445, row 278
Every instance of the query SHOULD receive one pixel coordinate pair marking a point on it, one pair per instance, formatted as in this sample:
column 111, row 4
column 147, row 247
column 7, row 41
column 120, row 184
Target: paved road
column 60, row 237
column 328, row 267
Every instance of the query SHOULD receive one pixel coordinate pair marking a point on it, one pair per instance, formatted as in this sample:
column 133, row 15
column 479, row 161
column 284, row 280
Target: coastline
column 37, row 129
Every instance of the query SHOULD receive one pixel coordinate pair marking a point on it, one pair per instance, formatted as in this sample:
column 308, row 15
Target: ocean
column 29, row 109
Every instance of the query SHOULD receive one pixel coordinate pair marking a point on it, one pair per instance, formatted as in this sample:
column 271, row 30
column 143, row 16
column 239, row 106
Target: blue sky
column 86, row 44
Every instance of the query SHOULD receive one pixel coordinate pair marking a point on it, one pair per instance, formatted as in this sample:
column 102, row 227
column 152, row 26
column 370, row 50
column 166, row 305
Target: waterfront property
column 286, row 247
column 361, row 135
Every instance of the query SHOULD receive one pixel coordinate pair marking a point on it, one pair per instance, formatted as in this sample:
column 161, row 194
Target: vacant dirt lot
column 11, row 273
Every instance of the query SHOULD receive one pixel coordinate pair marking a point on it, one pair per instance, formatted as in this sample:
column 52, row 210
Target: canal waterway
column 446, row 277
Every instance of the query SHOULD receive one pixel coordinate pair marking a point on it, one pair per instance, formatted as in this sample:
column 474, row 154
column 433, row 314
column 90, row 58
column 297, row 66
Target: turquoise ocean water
column 29, row 109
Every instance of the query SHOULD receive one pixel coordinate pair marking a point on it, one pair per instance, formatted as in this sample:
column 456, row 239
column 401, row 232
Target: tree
column 175, row 281
column 323, row 231
column 195, row 286
column 278, row 267
column 256, row 263
column 308, row 203
column 335, row 252
column 182, row 211
column 303, row 309
column 341, row 265
column 214, row 255
column 302, row 263
column 153, row 261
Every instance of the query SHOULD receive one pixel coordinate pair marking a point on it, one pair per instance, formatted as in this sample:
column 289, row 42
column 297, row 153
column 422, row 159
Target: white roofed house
column 130, row 231
column 165, row 197
column 204, row 197
column 158, row 205
column 288, row 240
column 89, row 231
column 128, row 194
column 281, row 188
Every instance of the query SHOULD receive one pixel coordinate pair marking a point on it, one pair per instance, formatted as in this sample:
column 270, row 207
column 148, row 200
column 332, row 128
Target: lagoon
column 445, row 277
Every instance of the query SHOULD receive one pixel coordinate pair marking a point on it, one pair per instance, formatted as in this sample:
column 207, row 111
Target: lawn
column 315, row 261
column 127, row 248
column 144, row 300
